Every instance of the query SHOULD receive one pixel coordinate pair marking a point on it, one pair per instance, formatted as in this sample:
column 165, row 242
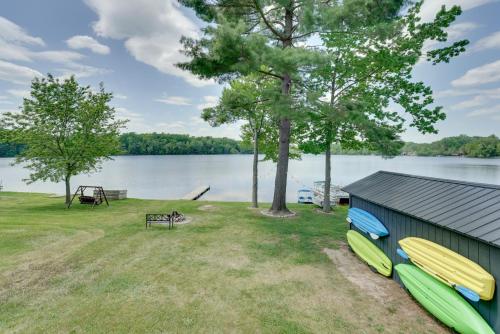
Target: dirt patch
column 320, row 210
column 268, row 213
column 360, row 274
column 186, row 220
column 383, row 289
column 208, row 208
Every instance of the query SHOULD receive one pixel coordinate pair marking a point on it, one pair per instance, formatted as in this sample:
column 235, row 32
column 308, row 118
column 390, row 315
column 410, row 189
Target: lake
column 171, row 177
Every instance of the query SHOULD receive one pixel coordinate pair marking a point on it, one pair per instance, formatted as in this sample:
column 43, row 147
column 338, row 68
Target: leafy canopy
column 370, row 69
column 68, row 129
column 266, row 36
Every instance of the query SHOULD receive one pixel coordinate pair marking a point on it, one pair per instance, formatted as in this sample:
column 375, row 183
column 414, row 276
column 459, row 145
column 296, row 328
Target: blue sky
column 132, row 46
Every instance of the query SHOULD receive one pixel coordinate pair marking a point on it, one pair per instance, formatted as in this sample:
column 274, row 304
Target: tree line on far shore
column 460, row 146
column 160, row 144
column 180, row 144
column 474, row 147
column 166, row 143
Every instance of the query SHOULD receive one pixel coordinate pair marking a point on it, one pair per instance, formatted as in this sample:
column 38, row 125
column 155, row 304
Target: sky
column 132, row 46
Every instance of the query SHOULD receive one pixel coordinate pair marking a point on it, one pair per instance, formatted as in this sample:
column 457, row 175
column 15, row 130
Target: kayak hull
column 369, row 253
column 442, row 301
column 366, row 222
column 448, row 266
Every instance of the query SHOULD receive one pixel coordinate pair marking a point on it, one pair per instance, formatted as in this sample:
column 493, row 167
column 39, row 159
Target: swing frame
column 94, row 200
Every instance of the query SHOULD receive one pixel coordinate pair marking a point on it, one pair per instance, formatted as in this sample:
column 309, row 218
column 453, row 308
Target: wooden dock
column 197, row 193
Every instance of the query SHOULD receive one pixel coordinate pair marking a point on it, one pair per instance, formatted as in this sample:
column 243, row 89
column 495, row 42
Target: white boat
column 337, row 196
column 305, row 196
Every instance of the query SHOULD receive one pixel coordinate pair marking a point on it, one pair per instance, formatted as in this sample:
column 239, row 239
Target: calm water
column 170, row 177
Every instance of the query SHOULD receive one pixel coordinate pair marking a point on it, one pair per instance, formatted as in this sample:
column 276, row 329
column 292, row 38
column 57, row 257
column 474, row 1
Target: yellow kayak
column 449, row 267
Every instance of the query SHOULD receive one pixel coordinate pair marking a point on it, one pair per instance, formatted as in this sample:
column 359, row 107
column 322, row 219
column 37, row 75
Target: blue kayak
column 366, row 222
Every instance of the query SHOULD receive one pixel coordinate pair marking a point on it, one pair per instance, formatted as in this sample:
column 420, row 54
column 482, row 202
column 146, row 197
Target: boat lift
column 337, row 196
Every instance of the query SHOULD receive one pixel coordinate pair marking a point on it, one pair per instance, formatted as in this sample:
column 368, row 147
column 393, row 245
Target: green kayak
column 369, row 253
column 442, row 301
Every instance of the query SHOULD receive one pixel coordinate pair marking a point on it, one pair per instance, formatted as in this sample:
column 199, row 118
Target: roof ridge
column 467, row 183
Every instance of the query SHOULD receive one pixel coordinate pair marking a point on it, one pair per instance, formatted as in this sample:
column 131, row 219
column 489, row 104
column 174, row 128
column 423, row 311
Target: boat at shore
column 305, row 196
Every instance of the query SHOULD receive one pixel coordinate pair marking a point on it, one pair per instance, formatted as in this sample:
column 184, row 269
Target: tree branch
column 266, row 22
column 271, row 74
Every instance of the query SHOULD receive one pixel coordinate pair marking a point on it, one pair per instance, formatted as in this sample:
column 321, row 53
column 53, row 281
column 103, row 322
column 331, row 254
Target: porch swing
column 97, row 198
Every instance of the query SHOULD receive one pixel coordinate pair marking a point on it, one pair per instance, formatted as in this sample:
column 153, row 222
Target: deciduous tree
column 246, row 99
column 369, row 69
column 68, row 129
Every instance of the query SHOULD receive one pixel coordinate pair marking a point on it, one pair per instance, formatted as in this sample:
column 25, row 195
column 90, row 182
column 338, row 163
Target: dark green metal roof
column 472, row 209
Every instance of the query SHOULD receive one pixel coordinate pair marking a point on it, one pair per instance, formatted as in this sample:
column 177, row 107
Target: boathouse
column 462, row 216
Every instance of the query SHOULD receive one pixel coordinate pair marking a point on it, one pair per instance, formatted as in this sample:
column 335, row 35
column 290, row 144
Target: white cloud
column 431, row 7
column 18, row 92
column 460, row 30
column 151, row 30
column 11, row 32
column 87, row 42
column 124, row 113
column 120, row 96
column 12, row 51
column 3, row 100
column 81, row 71
column 210, row 101
column 475, row 102
column 172, row 127
column 485, row 111
column 175, row 100
column 487, row 43
column 61, row 57
column 467, row 92
column 13, row 41
column 16, row 74
column 480, row 75
column 137, row 123
column 481, row 102
column 16, row 44
column 202, row 128
column 194, row 125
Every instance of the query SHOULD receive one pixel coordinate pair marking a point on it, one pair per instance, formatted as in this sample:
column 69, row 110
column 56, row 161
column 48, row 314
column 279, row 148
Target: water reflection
column 170, row 177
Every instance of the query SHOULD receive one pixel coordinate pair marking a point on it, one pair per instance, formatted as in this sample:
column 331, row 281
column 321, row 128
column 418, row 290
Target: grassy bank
column 230, row 270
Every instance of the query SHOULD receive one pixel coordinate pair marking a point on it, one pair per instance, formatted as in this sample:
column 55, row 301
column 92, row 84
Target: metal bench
column 159, row 218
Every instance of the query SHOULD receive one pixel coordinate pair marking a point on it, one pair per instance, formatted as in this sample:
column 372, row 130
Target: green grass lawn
column 230, row 270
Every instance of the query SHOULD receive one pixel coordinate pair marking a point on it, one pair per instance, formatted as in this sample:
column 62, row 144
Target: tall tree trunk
column 328, row 150
column 279, row 198
column 68, row 189
column 255, row 202
column 328, row 172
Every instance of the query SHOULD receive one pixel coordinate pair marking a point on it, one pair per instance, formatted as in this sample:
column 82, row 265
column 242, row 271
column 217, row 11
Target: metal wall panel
column 401, row 226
